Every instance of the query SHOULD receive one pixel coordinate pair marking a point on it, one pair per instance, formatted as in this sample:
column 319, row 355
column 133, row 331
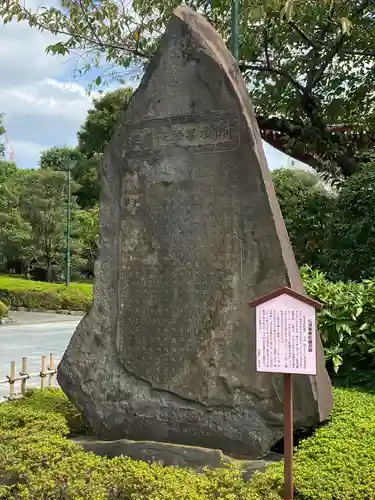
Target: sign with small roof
column 286, row 343
column 286, row 332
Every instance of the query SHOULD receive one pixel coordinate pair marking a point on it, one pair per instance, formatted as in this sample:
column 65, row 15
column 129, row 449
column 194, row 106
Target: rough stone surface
column 169, row 454
column 190, row 231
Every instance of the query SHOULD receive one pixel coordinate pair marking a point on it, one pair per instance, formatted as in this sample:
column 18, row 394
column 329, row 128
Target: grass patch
column 38, row 462
column 18, row 292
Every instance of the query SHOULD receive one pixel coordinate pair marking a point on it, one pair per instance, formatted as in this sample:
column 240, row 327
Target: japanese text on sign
column 286, row 336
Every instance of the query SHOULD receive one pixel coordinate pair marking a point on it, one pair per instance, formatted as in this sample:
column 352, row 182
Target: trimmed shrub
column 17, row 292
column 38, row 462
column 53, row 400
column 347, row 327
column 3, row 310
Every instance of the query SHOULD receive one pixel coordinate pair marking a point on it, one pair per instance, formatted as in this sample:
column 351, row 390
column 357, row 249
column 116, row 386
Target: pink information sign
column 286, row 336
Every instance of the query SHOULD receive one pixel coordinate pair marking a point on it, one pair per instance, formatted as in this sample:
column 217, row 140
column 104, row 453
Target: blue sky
column 43, row 105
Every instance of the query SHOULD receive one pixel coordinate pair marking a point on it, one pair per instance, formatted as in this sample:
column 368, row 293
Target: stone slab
column 170, row 454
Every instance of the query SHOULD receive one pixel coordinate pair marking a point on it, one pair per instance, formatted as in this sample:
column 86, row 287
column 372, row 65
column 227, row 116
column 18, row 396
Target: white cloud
column 42, row 108
column 46, row 98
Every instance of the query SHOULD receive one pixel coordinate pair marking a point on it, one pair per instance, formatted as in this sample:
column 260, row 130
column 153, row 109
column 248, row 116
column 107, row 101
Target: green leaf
column 358, row 311
column 337, row 362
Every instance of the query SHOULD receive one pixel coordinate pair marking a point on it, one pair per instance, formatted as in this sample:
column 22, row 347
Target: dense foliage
column 38, row 462
column 33, row 215
column 102, row 119
column 85, row 172
column 307, row 207
column 53, row 400
column 309, row 63
column 338, row 462
column 352, row 232
column 347, row 327
column 60, row 159
column 332, row 230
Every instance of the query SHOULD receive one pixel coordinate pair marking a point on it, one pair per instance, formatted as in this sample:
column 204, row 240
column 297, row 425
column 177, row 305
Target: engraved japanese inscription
column 175, row 287
column 201, row 132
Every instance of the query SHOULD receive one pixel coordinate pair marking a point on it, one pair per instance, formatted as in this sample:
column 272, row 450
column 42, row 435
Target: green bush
column 3, row 310
column 347, row 327
column 332, row 230
column 53, row 400
column 16, row 292
column 38, row 462
column 307, row 209
column 338, row 462
column 351, row 239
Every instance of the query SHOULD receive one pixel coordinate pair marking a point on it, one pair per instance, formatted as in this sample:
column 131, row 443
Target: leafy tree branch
column 305, row 61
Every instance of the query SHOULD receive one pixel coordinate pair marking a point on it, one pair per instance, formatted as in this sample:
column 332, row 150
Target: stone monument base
column 170, row 454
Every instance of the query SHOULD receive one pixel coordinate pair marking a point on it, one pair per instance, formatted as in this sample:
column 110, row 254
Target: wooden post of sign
column 288, row 437
column 278, row 314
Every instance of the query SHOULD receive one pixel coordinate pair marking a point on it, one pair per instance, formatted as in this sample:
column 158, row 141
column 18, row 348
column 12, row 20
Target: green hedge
column 53, row 400
column 347, row 327
column 38, row 462
column 17, row 292
column 338, row 462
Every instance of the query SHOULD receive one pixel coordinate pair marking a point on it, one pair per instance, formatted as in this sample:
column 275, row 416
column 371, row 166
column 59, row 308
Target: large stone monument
column 190, row 231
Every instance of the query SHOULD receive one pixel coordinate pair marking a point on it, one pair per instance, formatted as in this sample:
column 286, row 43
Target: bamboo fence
column 47, row 371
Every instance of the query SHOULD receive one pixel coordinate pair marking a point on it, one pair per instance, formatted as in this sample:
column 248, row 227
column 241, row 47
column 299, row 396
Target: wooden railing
column 47, row 372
